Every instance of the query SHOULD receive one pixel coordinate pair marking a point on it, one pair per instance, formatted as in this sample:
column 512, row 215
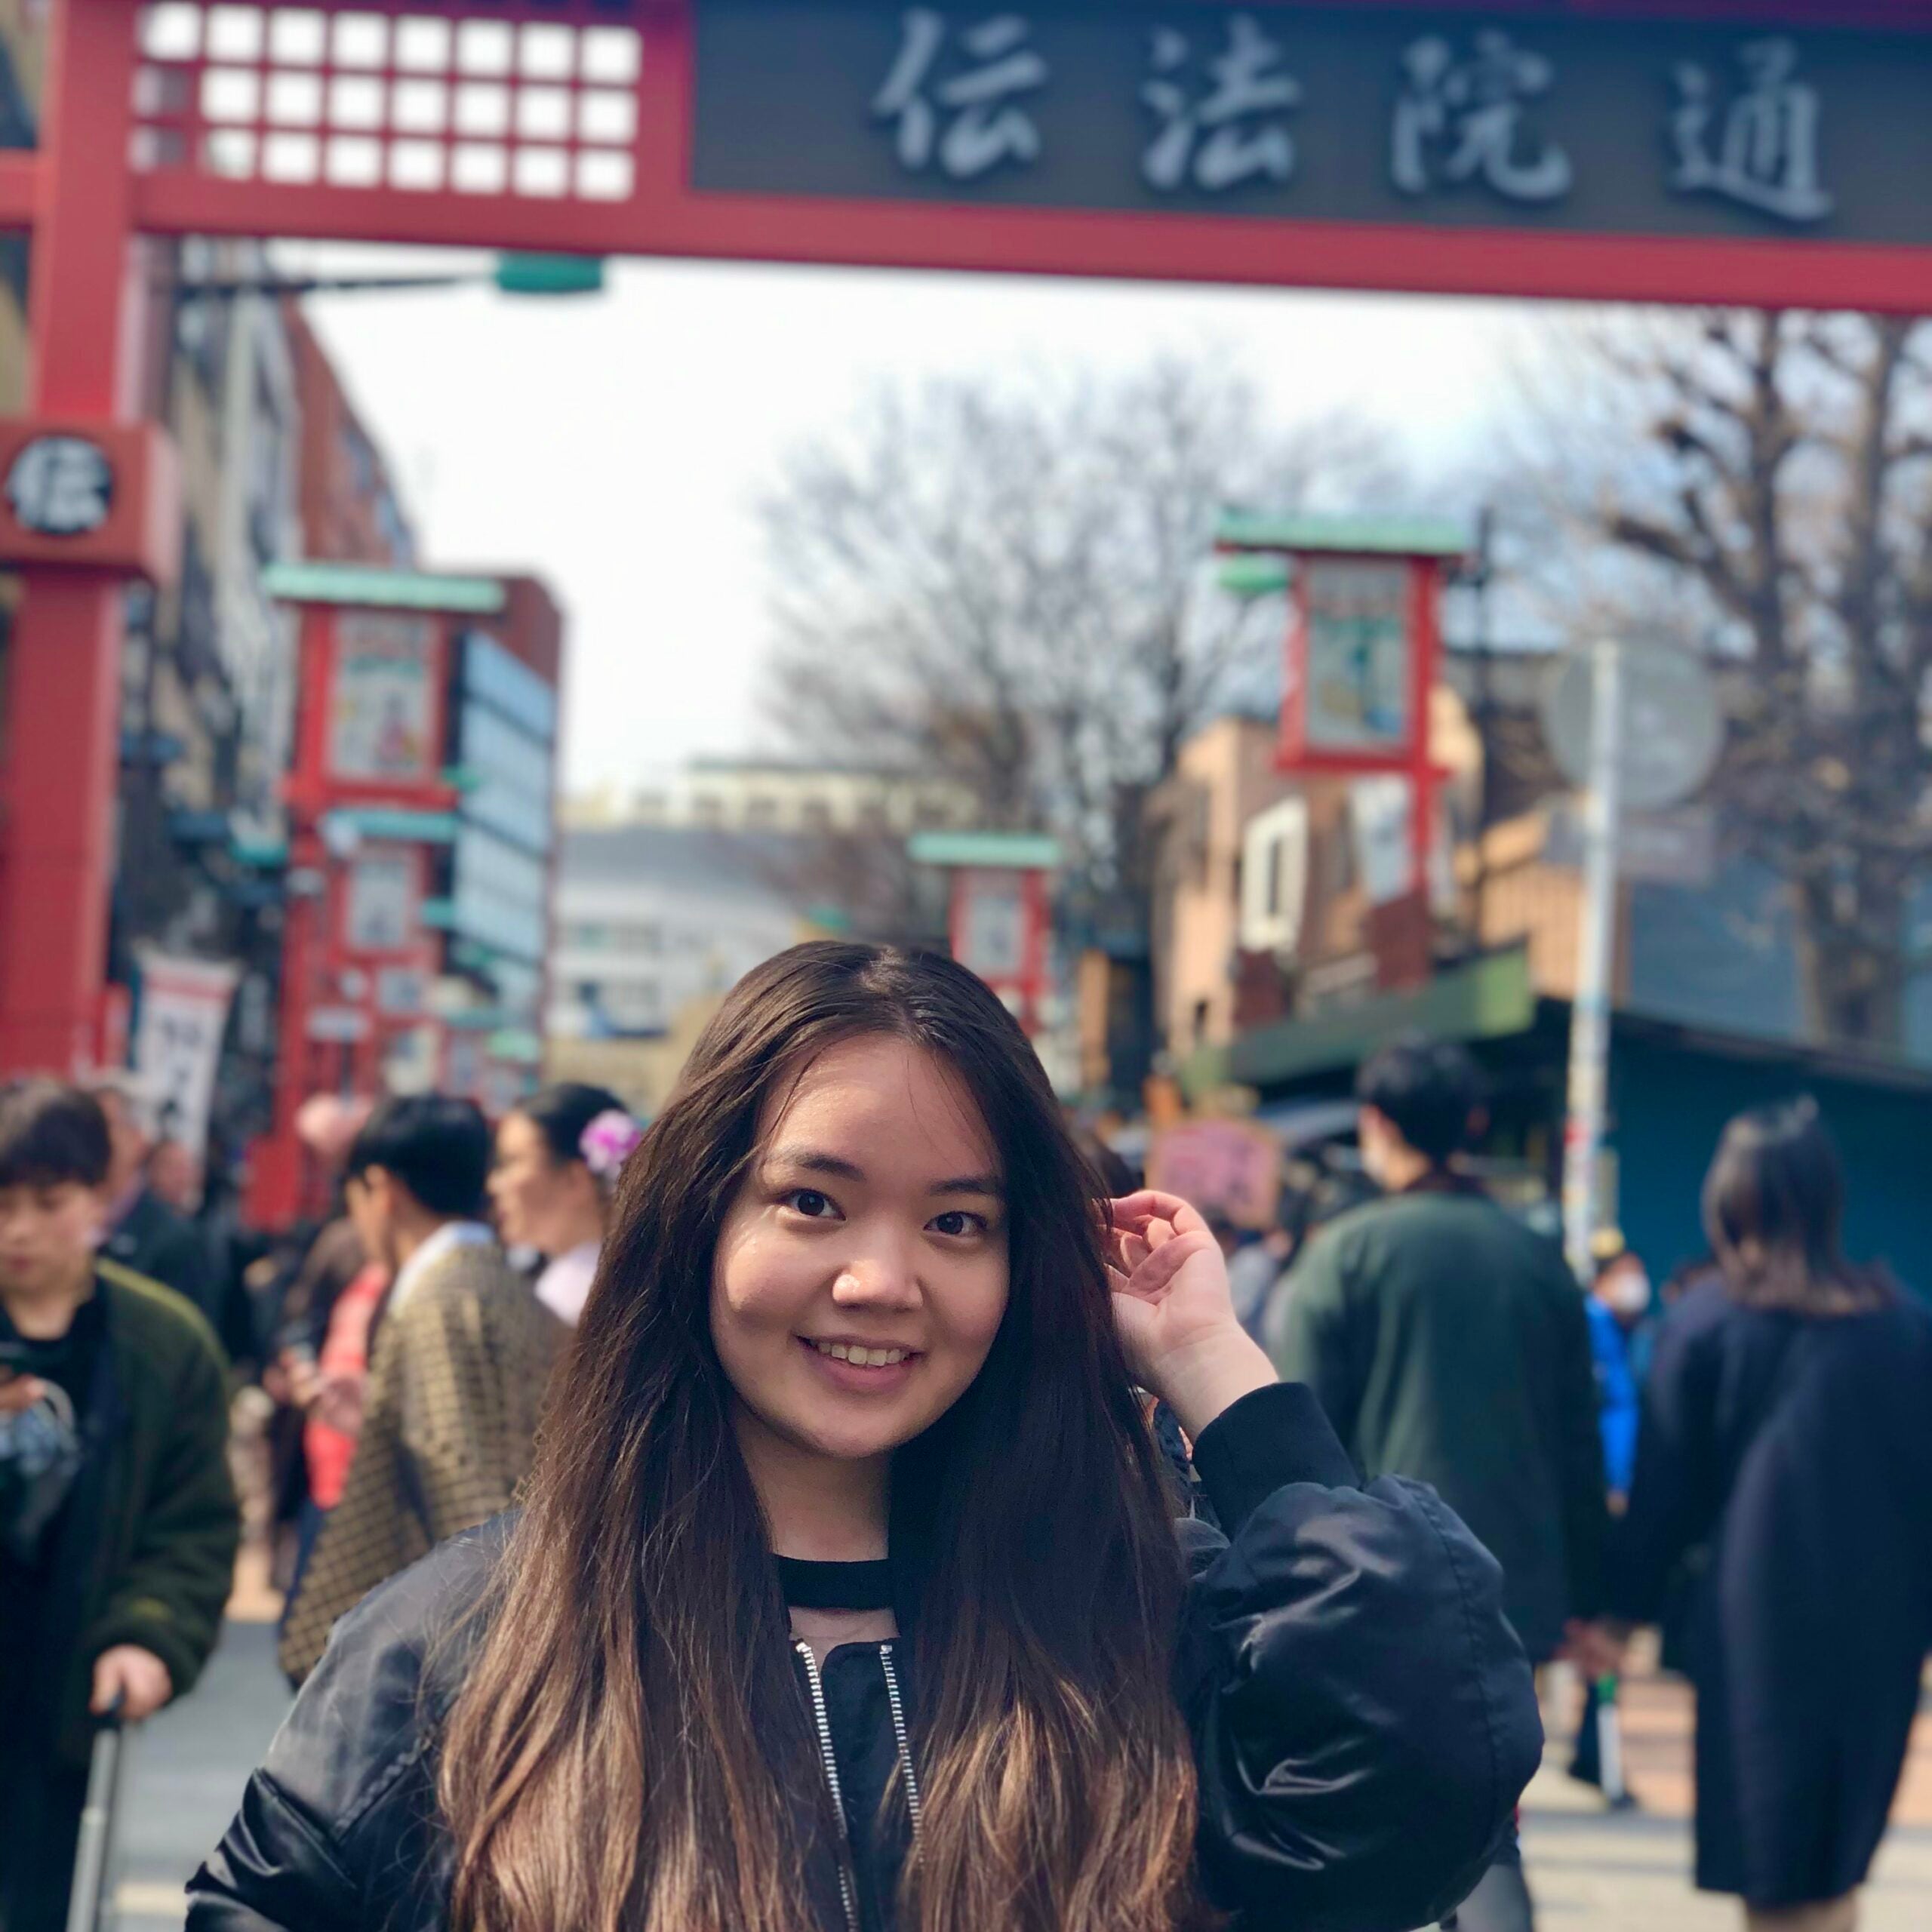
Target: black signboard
column 1323, row 113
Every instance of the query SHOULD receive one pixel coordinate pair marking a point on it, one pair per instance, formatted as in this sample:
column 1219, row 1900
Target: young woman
column 846, row 1597
column 1788, row 1427
column 558, row 1156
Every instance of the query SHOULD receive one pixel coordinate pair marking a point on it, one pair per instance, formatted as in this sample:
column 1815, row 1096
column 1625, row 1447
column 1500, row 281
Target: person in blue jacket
column 1618, row 1307
column 848, row 1595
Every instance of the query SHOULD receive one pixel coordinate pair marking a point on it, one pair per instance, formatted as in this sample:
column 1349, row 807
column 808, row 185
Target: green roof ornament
column 990, row 851
column 1342, row 536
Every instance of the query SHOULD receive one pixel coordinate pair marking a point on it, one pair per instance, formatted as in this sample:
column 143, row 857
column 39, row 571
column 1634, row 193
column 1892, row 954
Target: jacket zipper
column 822, row 1722
column 899, row 1734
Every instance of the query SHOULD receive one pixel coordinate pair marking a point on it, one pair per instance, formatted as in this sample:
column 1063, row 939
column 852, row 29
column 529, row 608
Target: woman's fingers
column 1161, row 1265
column 1150, row 1205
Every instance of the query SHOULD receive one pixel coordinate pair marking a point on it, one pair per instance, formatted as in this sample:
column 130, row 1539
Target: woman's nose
column 881, row 1277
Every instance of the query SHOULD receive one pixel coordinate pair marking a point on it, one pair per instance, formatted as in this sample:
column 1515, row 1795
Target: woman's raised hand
column 1176, row 1316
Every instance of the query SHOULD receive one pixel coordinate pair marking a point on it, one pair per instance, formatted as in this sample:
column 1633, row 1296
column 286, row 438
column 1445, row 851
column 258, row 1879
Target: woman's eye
column 958, row 1222
column 809, row 1202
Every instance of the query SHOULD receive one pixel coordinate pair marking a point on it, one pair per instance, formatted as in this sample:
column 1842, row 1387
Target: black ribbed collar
column 811, row 1585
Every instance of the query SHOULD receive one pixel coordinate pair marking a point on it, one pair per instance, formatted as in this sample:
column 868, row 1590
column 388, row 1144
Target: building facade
column 420, row 844
column 655, row 924
column 772, row 796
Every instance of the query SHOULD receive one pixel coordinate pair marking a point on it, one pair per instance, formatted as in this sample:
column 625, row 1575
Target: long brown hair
column 1774, row 1213
column 629, row 1749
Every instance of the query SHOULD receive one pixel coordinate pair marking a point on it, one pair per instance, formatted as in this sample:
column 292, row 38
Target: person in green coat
column 1448, row 1343
column 118, row 1524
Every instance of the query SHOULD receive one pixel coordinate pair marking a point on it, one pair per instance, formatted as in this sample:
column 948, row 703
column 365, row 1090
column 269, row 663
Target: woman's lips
column 868, row 1377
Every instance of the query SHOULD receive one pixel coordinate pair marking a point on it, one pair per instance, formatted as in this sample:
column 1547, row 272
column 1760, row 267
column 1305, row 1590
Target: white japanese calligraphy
column 969, row 120
column 1233, row 133
column 1765, row 155
column 1461, row 120
column 61, row 486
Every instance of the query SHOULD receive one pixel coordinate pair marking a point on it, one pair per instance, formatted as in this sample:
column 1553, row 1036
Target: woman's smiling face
column 861, row 1272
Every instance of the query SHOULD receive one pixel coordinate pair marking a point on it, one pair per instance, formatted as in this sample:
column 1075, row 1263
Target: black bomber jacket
column 1363, row 1719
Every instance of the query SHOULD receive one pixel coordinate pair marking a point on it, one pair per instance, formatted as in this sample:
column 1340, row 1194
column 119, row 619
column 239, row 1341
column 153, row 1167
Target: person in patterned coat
column 461, row 1357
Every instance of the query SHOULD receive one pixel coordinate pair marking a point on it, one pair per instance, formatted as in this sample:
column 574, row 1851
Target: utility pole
column 1590, row 1021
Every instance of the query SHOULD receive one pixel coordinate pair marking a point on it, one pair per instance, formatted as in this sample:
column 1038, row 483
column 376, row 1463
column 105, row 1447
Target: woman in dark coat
column 1788, row 1424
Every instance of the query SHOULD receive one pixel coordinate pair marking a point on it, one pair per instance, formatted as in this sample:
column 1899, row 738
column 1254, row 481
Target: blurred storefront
column 422, row 828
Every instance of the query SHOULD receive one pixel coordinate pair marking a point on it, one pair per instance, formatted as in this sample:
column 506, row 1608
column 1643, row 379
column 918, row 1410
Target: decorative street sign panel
column 60, row 486
column 1749, row 153
column 1327, row 114
column 1357, row 657
column 89, row 496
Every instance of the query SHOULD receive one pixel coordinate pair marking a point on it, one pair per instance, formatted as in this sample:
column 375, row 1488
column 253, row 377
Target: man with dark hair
column 1449, row 1342
column 144, row 1232
column 459, row 1362
column 118, row 1520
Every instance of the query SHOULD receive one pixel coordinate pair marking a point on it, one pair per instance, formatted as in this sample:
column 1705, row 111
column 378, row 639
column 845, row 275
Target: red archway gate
column 1753, row 151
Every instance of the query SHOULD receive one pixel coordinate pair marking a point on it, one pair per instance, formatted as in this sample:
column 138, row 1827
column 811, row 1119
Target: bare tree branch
column 1009, row 581
column 1753, row 484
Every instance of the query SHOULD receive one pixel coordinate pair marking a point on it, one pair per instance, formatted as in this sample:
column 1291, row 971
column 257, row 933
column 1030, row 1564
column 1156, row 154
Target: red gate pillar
column 64, row 675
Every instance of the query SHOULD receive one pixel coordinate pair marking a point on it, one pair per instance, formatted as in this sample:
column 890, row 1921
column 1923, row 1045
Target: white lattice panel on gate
column 541, row 108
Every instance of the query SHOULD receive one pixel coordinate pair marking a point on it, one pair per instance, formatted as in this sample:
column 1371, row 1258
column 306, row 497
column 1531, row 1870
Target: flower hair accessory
column 608, row 1142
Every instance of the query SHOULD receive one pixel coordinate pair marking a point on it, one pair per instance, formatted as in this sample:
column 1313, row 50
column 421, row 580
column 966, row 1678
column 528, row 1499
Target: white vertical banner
column 1378, row 810
column 177, row 1043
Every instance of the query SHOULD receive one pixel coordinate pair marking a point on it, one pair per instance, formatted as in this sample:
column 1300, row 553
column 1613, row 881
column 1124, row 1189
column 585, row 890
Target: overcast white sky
column 616, row 444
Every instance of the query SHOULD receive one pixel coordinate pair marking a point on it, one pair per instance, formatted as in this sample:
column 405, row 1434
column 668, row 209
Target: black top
column 812, row 1585
column 69, row 1362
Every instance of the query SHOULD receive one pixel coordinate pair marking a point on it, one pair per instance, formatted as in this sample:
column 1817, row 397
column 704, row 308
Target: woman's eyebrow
column 989, row 1185
column 809, row 1160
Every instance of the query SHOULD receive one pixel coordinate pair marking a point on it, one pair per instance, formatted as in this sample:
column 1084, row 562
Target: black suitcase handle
column 89, row 1908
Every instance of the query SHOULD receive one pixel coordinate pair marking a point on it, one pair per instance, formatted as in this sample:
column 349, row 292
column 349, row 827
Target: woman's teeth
column 862, row 1358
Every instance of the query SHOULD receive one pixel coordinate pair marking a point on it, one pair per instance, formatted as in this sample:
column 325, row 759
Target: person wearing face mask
column 1617, row 1306
column 848, row 1595
column 559, row 1154
column 1618, row 1309
column 118, row 1524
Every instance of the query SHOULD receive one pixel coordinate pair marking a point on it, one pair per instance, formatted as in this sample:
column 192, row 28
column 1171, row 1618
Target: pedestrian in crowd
column 1448, row 1342
column 175, row 1178
column 118, row 1521
column 328, row 1387
column 460, row 1364
column 1788, row 1424
column 559, row 1152
column 296, row 1290
column 1618, row 1309
column 847, row 1594
column 143, row 1233
column 1256, row 1270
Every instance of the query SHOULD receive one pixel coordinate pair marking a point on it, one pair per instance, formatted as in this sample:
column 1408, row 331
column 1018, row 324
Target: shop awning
column 1488, row 999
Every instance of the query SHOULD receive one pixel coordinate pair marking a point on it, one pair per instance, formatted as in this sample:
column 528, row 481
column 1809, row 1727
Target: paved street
column 1592, row 1872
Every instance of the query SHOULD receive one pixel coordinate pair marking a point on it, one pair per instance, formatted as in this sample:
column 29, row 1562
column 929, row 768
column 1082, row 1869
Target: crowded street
column 965, row 967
